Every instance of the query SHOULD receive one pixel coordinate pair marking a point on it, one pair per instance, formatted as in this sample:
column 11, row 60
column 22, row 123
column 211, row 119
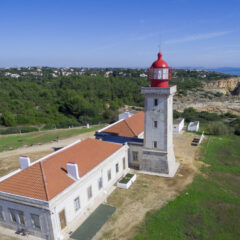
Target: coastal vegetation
column 52, row 97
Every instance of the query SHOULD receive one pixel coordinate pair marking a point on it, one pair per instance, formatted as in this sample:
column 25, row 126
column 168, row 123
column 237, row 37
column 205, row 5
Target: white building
column 193, row 126
column 124, row 115
column 178, row 125
column 46, row 198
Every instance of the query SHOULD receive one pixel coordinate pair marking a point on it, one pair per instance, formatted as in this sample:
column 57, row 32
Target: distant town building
column 143, row 75
column 107, row 74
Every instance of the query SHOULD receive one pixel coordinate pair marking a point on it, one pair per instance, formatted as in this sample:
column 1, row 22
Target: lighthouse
column 157, row 152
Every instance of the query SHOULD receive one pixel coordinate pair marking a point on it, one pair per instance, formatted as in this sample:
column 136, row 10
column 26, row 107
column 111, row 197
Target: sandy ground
column 9, row 160
column 149, row 193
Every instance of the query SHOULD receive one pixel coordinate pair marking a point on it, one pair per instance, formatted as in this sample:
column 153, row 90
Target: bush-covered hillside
column 64, row 97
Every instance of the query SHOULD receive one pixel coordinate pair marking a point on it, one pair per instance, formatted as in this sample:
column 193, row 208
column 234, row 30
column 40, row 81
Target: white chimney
column 72, row 170
column 24, row 162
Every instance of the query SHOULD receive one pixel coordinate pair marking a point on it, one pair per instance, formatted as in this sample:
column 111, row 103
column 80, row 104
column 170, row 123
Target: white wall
column 48, row 211
column 193, row 127
column 177, row 128
column 44, row 215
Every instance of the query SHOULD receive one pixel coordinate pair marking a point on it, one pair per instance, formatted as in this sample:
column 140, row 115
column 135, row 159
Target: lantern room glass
column 160, row 73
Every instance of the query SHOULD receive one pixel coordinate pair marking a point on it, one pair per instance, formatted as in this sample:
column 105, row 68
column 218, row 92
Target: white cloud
column 198, row 37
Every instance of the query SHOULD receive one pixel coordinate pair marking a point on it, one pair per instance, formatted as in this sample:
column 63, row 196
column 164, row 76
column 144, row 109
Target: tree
column 8, row 119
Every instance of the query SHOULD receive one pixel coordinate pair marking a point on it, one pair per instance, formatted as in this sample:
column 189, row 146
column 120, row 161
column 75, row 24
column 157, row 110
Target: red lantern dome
column 159, row 73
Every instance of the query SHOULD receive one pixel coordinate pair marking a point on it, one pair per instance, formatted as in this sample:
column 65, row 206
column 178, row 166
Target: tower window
column 155, row 102
column 155, row 144
column 155, row 123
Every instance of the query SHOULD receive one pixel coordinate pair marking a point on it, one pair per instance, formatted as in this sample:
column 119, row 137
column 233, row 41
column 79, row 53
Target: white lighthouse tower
column 158, row 154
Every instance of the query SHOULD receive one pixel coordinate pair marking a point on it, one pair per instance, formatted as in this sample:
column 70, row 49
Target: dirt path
column 9, row 160
column 149, row 193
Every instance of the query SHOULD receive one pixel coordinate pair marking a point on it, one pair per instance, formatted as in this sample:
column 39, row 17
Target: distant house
column 143, row 75
column 193, row 126
column 107, row 74
column 178, row 125
column 15, row 75
column 54, row 75
column 124, row 115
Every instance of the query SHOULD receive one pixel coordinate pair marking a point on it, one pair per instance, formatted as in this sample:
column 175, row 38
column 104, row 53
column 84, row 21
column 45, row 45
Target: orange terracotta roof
column 47, row 178
column 130, row 127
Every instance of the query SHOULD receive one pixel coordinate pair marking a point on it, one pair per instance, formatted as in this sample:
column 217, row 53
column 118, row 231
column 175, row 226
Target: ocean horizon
column 233, row 71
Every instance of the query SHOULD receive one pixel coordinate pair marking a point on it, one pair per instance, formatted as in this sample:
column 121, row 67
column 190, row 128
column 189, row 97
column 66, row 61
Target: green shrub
column 217, row 128
column 14, row 130
column 8, row 119
column 28, row 129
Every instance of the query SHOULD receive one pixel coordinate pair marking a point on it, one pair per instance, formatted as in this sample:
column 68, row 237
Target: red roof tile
column 130, row 127
column 47, row 178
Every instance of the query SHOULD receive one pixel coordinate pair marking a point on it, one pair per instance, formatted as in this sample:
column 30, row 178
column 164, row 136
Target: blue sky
column 123, row 33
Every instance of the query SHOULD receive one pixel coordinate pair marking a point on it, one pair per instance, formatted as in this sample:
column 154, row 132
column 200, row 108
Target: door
column 62, row 219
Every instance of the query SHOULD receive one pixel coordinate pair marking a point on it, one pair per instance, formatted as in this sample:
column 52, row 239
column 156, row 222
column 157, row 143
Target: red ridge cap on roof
column 44, row 180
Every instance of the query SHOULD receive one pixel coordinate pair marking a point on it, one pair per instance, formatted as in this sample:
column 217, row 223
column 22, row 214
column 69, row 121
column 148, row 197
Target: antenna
column 160, row 43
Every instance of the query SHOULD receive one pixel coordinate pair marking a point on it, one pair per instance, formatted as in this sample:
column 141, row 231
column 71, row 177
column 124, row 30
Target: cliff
column 229, row 86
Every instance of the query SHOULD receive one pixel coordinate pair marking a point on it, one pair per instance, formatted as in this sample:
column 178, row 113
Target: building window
column 1, row 214
column 109, row 175
column 155, row 102
column 155, row 144
column 17, row 216
column 76, row 203
column 124, row 163
column 117, row 167
column 100, row 183
column 36, row 221
column 89, row 192
column 21, row 217
column 13, row 215
column 155, row 123
column 135, row 156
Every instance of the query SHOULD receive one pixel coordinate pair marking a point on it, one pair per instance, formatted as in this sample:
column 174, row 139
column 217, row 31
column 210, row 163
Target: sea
column 233, row 71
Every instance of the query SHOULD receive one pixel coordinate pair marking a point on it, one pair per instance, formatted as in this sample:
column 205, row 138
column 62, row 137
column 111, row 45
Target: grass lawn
column 210, row 207
column 8, row 142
